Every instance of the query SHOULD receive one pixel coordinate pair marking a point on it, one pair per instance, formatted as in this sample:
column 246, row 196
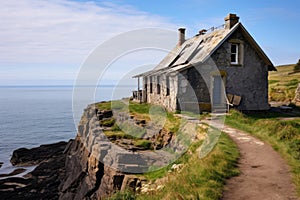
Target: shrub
column 297, row 66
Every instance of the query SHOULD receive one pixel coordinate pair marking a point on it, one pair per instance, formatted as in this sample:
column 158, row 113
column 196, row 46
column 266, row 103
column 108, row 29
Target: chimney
column 181, row 32
column 231, row 20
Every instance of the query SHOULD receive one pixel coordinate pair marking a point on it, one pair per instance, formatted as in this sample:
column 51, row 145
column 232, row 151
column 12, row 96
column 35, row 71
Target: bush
column 297, row 66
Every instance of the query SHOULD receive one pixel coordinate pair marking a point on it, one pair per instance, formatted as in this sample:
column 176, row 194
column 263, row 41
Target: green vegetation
column 141, row 108
column 199, row 178
column 283, row 135
column 297, row 66
column 108, row 122
column 283, row 83
column 292, row 83
column 126, row 195
column 143, row 111
column 143, row 143
column 135, row 131
column 114, row 135
column 140, row 112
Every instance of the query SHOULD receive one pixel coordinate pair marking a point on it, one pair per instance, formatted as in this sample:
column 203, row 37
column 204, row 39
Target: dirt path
column 264, row 174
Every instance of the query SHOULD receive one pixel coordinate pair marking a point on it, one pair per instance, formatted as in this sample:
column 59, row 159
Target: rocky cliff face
column 96, row 167
column 87, row 177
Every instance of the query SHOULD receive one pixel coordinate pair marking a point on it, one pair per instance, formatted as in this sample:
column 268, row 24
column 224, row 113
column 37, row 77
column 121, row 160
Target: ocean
column 35, row 115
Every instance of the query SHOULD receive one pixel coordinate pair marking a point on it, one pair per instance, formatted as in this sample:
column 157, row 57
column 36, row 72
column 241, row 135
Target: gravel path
column 264, row 174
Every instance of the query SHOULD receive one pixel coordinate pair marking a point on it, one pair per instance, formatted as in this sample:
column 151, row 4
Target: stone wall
column 249, row 80
column 192, row 89
column 168, row 101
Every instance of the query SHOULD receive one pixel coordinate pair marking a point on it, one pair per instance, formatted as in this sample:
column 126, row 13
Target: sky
column 46, row 42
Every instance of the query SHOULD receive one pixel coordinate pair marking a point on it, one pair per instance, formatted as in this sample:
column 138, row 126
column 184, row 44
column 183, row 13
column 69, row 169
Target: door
column 218, row 90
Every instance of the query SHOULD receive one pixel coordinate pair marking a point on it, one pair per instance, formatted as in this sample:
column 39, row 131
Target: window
column 234, row 54
column 151, row 84
column 145, row 81
column 168, row 85
column 158, row 85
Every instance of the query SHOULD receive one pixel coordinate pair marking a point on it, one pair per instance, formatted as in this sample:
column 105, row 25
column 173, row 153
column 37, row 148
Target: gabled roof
column 200, row 47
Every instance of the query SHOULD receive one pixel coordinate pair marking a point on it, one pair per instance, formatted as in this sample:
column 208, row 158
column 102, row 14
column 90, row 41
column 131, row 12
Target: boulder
column 34, row 156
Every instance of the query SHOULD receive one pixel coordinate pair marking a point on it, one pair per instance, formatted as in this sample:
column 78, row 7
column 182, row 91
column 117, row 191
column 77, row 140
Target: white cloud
column 61, row 31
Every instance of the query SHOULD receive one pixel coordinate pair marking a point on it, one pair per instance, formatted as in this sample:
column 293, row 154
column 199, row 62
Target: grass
column 284, row 136
column 135, row 131
column 143, row 143
column 283, row 83
column 108, row 122
column 155, row 114
column 200, row 178
column 150, row 113
column 114, row 135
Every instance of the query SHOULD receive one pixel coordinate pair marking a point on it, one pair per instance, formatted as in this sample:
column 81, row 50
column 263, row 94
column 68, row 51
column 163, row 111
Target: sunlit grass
column 199, row 178
column 283, row 83
column 284, row 136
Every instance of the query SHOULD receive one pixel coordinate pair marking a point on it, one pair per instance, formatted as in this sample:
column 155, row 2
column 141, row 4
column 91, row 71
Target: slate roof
column 199, row 48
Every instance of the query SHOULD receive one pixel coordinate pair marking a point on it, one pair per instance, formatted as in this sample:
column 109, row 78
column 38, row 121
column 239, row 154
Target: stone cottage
column 215, row 68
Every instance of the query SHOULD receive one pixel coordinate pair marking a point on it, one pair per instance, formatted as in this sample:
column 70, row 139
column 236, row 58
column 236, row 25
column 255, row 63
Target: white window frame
column 235, row 54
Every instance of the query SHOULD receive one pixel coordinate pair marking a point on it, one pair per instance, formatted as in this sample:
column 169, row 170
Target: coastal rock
column 42, row 182
column 34, row 156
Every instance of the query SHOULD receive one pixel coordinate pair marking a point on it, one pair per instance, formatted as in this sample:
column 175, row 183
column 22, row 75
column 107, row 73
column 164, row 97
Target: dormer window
column 234, row 54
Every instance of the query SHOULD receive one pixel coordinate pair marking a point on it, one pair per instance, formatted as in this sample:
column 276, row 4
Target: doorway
column 218, row 91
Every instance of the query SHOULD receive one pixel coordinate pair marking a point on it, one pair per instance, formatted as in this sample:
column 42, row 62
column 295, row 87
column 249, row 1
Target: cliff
column 86, row 176
column 96, row 167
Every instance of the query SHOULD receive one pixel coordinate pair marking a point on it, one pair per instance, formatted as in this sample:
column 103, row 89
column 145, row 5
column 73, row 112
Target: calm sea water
column 31, row 116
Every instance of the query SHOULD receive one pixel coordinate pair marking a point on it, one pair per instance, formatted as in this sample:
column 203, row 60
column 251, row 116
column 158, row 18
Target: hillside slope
column 283, row 83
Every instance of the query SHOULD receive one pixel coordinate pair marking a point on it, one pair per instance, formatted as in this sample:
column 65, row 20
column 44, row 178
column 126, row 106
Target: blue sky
column 46, row 41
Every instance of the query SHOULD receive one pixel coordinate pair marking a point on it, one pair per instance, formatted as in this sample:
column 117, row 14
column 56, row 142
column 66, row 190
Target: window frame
column 235, row 54
column 239, row 54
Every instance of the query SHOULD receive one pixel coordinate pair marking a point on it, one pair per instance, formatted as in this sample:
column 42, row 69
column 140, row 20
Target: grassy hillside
column 283, row 83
